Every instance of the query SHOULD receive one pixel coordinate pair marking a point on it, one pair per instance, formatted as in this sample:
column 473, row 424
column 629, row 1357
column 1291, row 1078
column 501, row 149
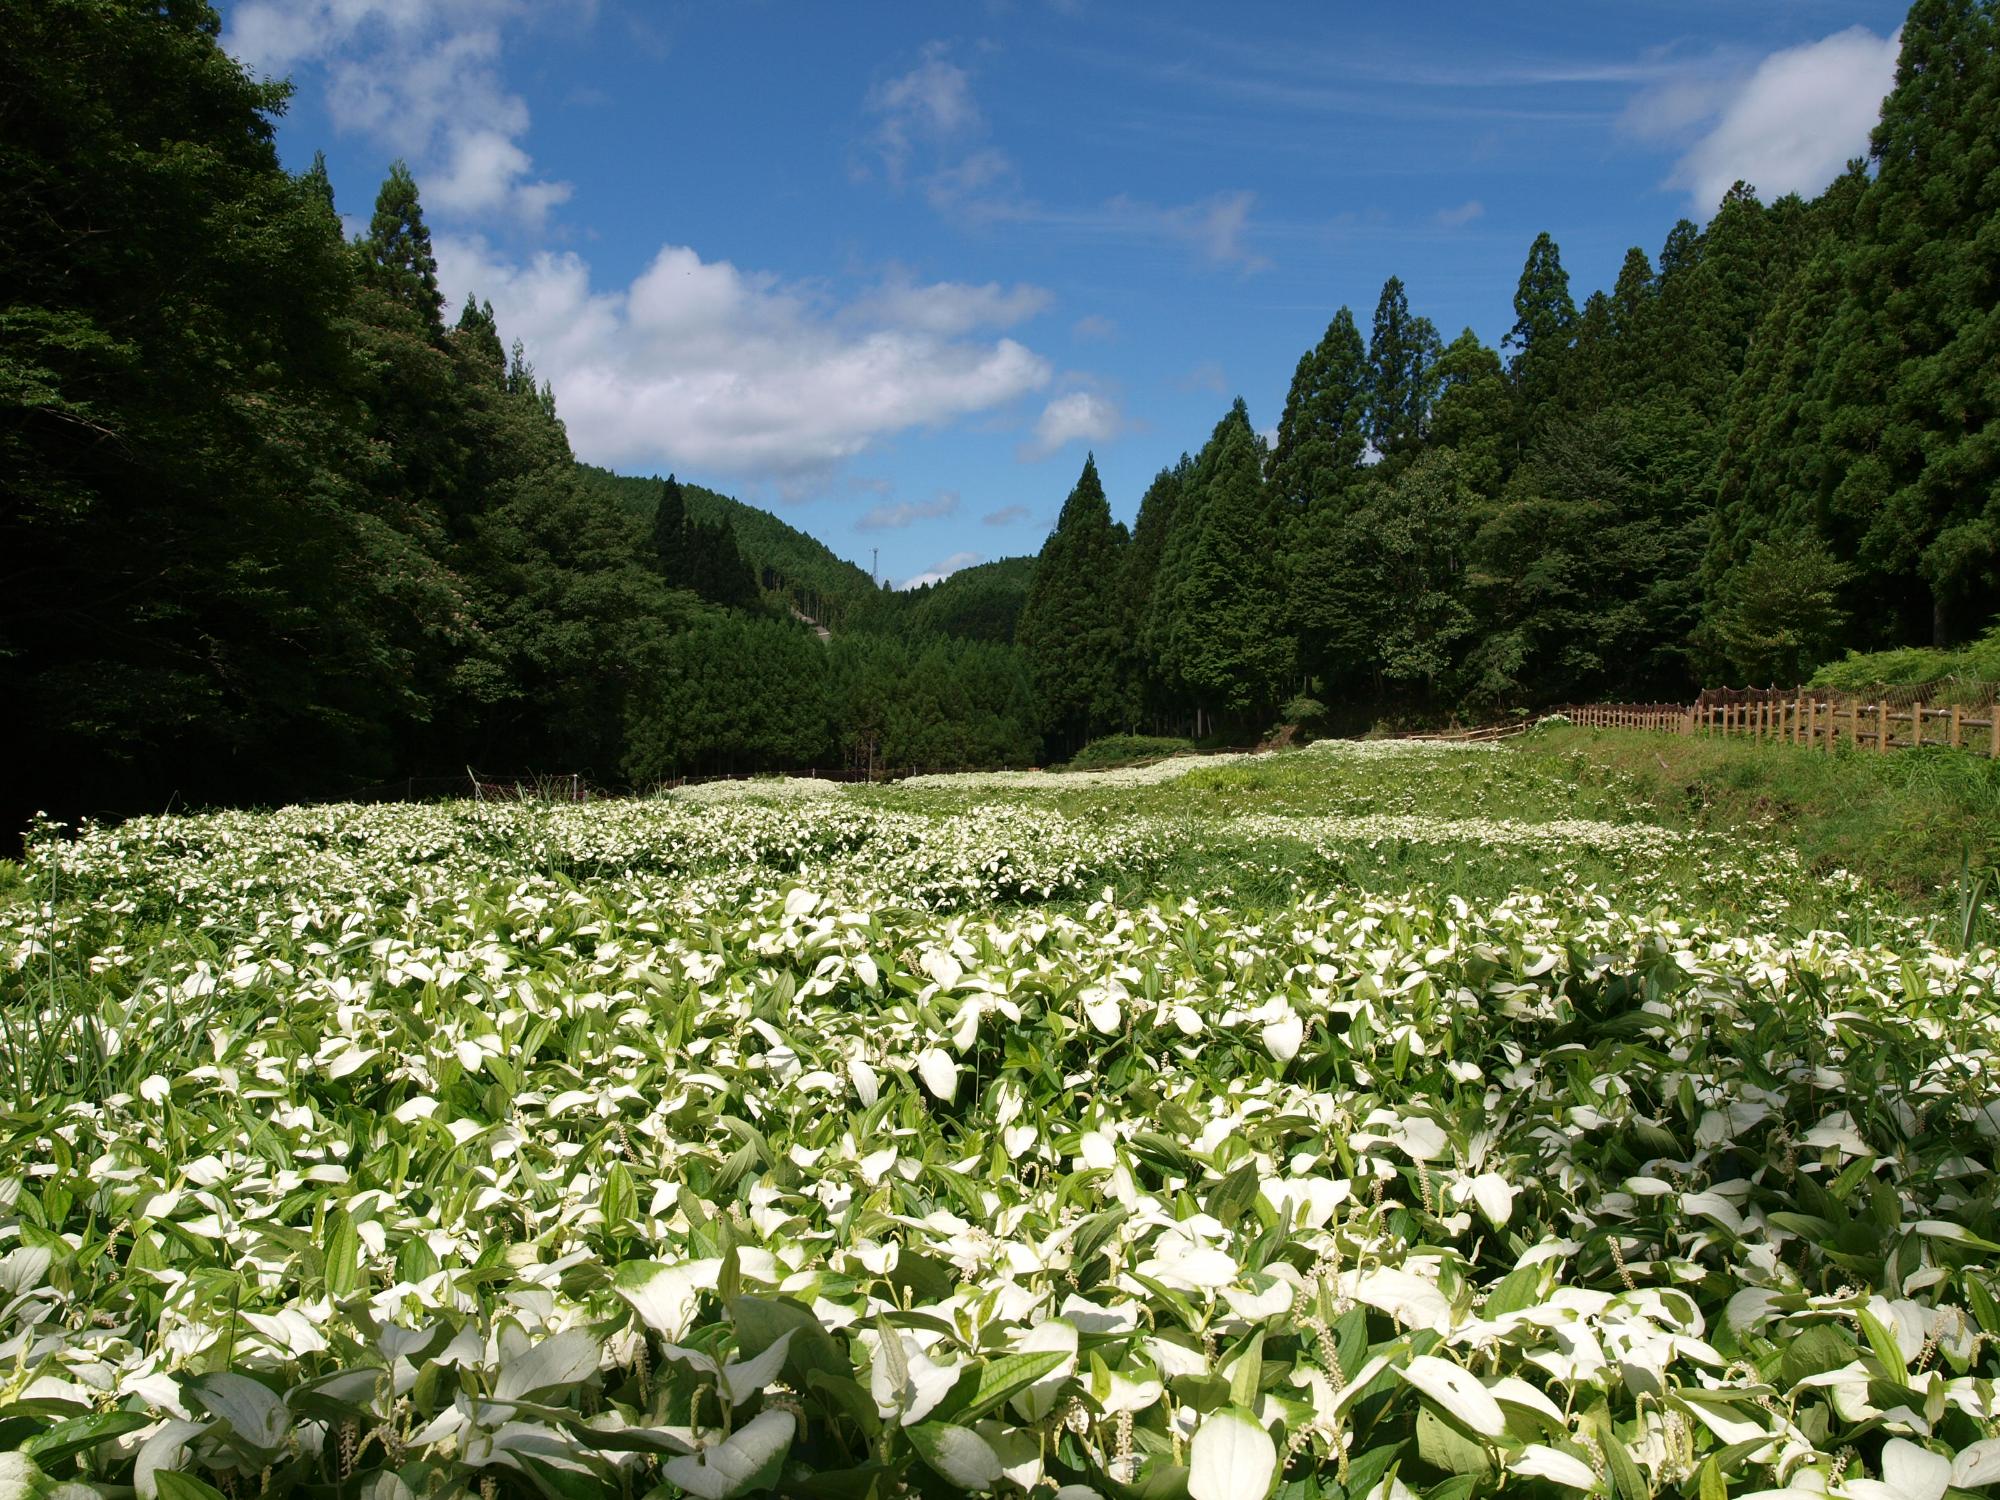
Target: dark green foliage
column 1323, row 433
column 1382, row 592
column 1403, row 352
column 700, row 557
column 273, row 529
column 1544, row 324
column 1869, row 410
column 398, row 246
column 190, row 597
column 1587, row 567
column 784, row 560
column 1778, row 615
column 1072, row 626
column 935, row 704
column 980, row 603
column 1977, row 661
column 732, row 694
column 1217, row 606
column 1474, row 414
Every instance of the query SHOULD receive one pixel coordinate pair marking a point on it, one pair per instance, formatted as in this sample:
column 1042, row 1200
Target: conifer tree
column 1544, row 323
column 1474, row 415
column 1226, row 645
column 1402, row 355
column 1323, row 432
column 399, row 248
column 1634, row 352
column 1072, row 626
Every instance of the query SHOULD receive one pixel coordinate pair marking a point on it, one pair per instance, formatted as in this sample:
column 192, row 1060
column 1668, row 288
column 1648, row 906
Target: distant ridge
column 818, row 581
column 979, row 603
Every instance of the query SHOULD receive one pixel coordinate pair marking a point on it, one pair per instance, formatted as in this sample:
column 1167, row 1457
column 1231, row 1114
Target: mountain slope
column 786, row 560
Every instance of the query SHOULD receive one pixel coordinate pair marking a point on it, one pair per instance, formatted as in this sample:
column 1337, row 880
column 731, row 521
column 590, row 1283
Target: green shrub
column 1976, row 661
column 1309, row 714
column 1127, row 750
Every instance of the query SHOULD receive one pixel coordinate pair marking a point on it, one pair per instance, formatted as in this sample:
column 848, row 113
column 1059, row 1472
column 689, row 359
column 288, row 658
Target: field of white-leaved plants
column 965, row 1139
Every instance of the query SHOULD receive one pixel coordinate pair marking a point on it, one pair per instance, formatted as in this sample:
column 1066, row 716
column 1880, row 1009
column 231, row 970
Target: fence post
column 1882, row 726
column 1957, row 724
column 1917, row 724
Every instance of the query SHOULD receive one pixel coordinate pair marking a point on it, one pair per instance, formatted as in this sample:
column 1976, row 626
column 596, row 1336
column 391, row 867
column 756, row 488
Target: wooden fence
column 1670, row 716
column 1890, row 719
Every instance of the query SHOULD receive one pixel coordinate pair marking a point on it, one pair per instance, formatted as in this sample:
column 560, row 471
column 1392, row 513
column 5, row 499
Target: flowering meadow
column 1358, row 1121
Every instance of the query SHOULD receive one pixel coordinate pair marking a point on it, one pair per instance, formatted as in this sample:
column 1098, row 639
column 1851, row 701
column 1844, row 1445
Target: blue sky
column 891, row 270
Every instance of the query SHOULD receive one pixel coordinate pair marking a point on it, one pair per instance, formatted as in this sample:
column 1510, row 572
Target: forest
column 279, row 524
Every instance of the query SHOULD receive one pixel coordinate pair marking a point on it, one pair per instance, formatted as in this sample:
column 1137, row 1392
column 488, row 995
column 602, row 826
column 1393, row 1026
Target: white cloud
column 928, row 106
column 943, row 569
column 1465, row 213
column 950, row 308
column 1077, row 416
column 422, row 78
column 1007, row 515
column 1217, row 227
column 702, row 365
column 908, row 512
column 1206, row 376
column 1789, row 126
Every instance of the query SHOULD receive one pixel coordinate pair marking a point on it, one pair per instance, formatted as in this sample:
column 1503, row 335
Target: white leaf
column 1539, row 1461
column 941, row 966
column 1977, row 1465
column 1231, row 1458
column 1913, row 1471
column 1495, row 1197
column 20, row 1479
column 665, row 1296
column 1100, row 1008
column 1421, row 1139
column 165, row 1449
column 730, row 1468
column 1283, row 1037
column 742, row 1379
column 1458, row 1391
column 866, row 1084
column 253, row 1412
column 960, row 1455
column 566, row 1359
column 939, row 1072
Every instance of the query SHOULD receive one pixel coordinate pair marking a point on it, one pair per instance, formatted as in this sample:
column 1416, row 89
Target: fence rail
column 1825, row 720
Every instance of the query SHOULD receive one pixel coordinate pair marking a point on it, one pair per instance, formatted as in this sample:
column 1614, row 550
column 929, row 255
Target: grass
column 1914, row 821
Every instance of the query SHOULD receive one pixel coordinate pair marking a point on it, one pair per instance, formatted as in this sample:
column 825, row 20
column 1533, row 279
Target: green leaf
column 1818, row 1348
column 81, row 1434
column 1882, row 1344
column 998, row 1381
column 1246, row 1373
column 343, row 1258
column 1519, row 1288
column 1626, row 1478
column 1229, row 1199
column 1444, row 1446
column 173, row 1485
